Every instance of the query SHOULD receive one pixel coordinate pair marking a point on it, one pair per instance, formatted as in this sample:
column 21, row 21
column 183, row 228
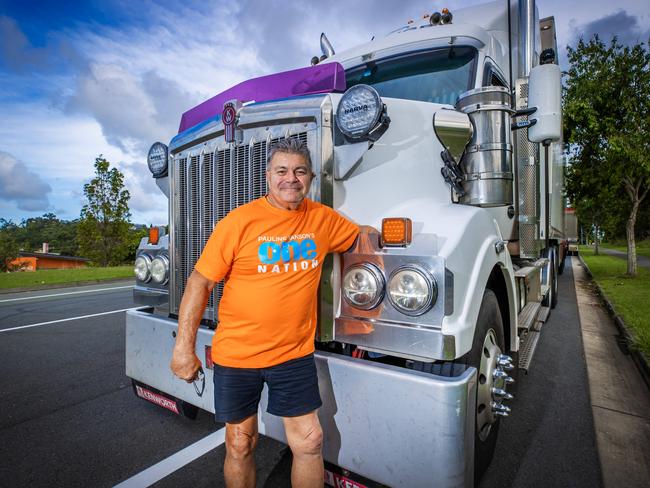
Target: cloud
column 19, row 55
column 146, row 197
column 133, row 111
column 15, row 49
column 287, row 33
column 620, row 24
column 22, row 186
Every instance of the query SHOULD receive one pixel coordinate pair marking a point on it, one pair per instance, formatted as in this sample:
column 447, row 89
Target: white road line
column 68, row 319
column 174, row 462
column 67, row 293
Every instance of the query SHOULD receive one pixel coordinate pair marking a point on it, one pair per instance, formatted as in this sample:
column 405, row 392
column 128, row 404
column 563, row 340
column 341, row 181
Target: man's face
column 288, row 178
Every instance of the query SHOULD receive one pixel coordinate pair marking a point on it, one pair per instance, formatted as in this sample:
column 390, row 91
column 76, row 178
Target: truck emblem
column 228, row 118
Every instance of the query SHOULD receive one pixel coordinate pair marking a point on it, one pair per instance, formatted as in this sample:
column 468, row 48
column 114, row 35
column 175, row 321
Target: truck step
column 542, row 316
column 525, row 272
column 528, row 315
column 528, row 347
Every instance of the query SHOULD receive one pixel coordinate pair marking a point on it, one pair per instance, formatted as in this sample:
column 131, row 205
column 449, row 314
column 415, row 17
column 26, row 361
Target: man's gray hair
column 290, row 145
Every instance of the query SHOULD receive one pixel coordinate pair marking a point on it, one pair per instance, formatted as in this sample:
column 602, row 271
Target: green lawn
column 57, row 276
column 642, row 247
column 630, row 296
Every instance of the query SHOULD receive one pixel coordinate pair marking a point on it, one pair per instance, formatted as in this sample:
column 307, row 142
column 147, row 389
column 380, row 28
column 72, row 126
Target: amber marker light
column 446, row 16
column 396, row 231
column 154, row 235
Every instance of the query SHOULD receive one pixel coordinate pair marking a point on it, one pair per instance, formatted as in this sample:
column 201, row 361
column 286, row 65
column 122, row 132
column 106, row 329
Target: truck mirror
column 545, row 96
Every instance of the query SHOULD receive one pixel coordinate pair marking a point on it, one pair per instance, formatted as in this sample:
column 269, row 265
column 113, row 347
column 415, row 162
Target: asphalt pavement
column 69, row 416
column 549, row 438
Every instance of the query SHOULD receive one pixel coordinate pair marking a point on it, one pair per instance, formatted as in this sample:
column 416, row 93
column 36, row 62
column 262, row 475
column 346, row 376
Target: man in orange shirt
column 270, row 252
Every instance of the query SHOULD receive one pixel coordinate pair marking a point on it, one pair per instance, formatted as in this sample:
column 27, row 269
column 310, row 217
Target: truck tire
column 560, row 268
column 488, row 337
column 487, row 346
column 551, row 298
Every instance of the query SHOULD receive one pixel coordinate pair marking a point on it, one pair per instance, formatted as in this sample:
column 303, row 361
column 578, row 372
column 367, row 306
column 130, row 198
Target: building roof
column 49, row 255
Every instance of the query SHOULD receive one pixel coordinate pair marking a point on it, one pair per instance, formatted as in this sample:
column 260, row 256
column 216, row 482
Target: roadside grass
column 642, row 247
column 629, row 296
column 22, row 279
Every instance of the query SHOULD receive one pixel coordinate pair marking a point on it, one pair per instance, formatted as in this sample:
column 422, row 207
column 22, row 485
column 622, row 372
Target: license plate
column 157, row 399
column 339, row 481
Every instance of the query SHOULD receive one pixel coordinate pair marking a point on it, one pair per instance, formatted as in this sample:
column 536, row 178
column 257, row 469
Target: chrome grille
column 207, row 187
column 182, row 232
column 207, row 221
column 194, row 216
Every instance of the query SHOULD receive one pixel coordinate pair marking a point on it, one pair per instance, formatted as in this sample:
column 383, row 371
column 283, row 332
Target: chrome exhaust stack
column 527, row 37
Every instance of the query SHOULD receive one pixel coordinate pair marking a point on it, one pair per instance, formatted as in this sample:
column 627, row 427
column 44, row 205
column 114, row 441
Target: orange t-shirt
column 271, row 260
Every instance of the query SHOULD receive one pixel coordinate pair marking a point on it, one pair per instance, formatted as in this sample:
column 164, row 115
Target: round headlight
column 359, row 111
column 142, row 268
column 412, row 291
column 157, row 160
column 160, row 269
column 363, row 286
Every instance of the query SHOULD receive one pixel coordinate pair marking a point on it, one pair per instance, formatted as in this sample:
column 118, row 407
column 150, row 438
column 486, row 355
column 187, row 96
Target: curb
column 637, row 356
column 5, row 291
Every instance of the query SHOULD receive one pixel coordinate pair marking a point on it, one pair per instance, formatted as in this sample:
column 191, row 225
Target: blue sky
column 80, row 79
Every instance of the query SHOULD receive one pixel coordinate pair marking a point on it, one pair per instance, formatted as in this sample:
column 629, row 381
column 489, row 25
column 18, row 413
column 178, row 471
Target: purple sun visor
column 322, row 78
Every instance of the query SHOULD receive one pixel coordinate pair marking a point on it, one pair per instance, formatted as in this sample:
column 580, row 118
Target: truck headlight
column 412, row 290
column 160, row 269
column 363, row 286
column 157, row 160
column 361, row 114
column 142, row 268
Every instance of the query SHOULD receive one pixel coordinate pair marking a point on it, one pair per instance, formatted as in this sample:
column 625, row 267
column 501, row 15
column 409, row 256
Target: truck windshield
column 437, row 76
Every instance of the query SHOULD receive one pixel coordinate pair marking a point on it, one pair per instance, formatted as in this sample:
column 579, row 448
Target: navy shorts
column 293, row 390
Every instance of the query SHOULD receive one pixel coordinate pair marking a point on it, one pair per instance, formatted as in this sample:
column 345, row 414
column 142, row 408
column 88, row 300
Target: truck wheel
column 551, row 297
column 560, row 268
column 493, row 379
column 487, row 357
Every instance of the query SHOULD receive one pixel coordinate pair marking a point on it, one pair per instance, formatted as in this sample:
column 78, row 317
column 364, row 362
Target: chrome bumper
column 395, row 426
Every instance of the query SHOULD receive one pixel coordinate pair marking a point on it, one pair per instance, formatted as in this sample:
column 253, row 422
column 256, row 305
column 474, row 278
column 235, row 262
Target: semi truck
column 443, row 141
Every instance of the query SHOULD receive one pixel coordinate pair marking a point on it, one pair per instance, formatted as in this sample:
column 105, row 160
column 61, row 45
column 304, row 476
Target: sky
column 80, row 79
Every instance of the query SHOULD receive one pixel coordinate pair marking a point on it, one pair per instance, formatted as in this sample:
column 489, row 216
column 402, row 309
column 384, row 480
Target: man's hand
column 185, row 364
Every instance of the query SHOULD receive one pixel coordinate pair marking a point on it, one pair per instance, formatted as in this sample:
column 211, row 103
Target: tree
column 136, row 233
column 104, row 224
column 8, row 245
column 60, row 234
column 607, row 121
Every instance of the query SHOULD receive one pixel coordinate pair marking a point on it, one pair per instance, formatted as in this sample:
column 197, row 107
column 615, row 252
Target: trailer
column 571, row 231
column 443, row 140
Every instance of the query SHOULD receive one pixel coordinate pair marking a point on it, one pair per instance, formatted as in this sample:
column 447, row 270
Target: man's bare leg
column 305, row 437
column 239, row 466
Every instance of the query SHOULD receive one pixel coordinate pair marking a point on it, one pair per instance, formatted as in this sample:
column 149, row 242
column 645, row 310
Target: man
column 270, row 252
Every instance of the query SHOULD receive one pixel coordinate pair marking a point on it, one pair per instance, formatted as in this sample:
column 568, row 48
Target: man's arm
column 185, row 362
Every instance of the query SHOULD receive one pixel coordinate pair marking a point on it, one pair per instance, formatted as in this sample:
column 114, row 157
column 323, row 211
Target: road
column 69, row 416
